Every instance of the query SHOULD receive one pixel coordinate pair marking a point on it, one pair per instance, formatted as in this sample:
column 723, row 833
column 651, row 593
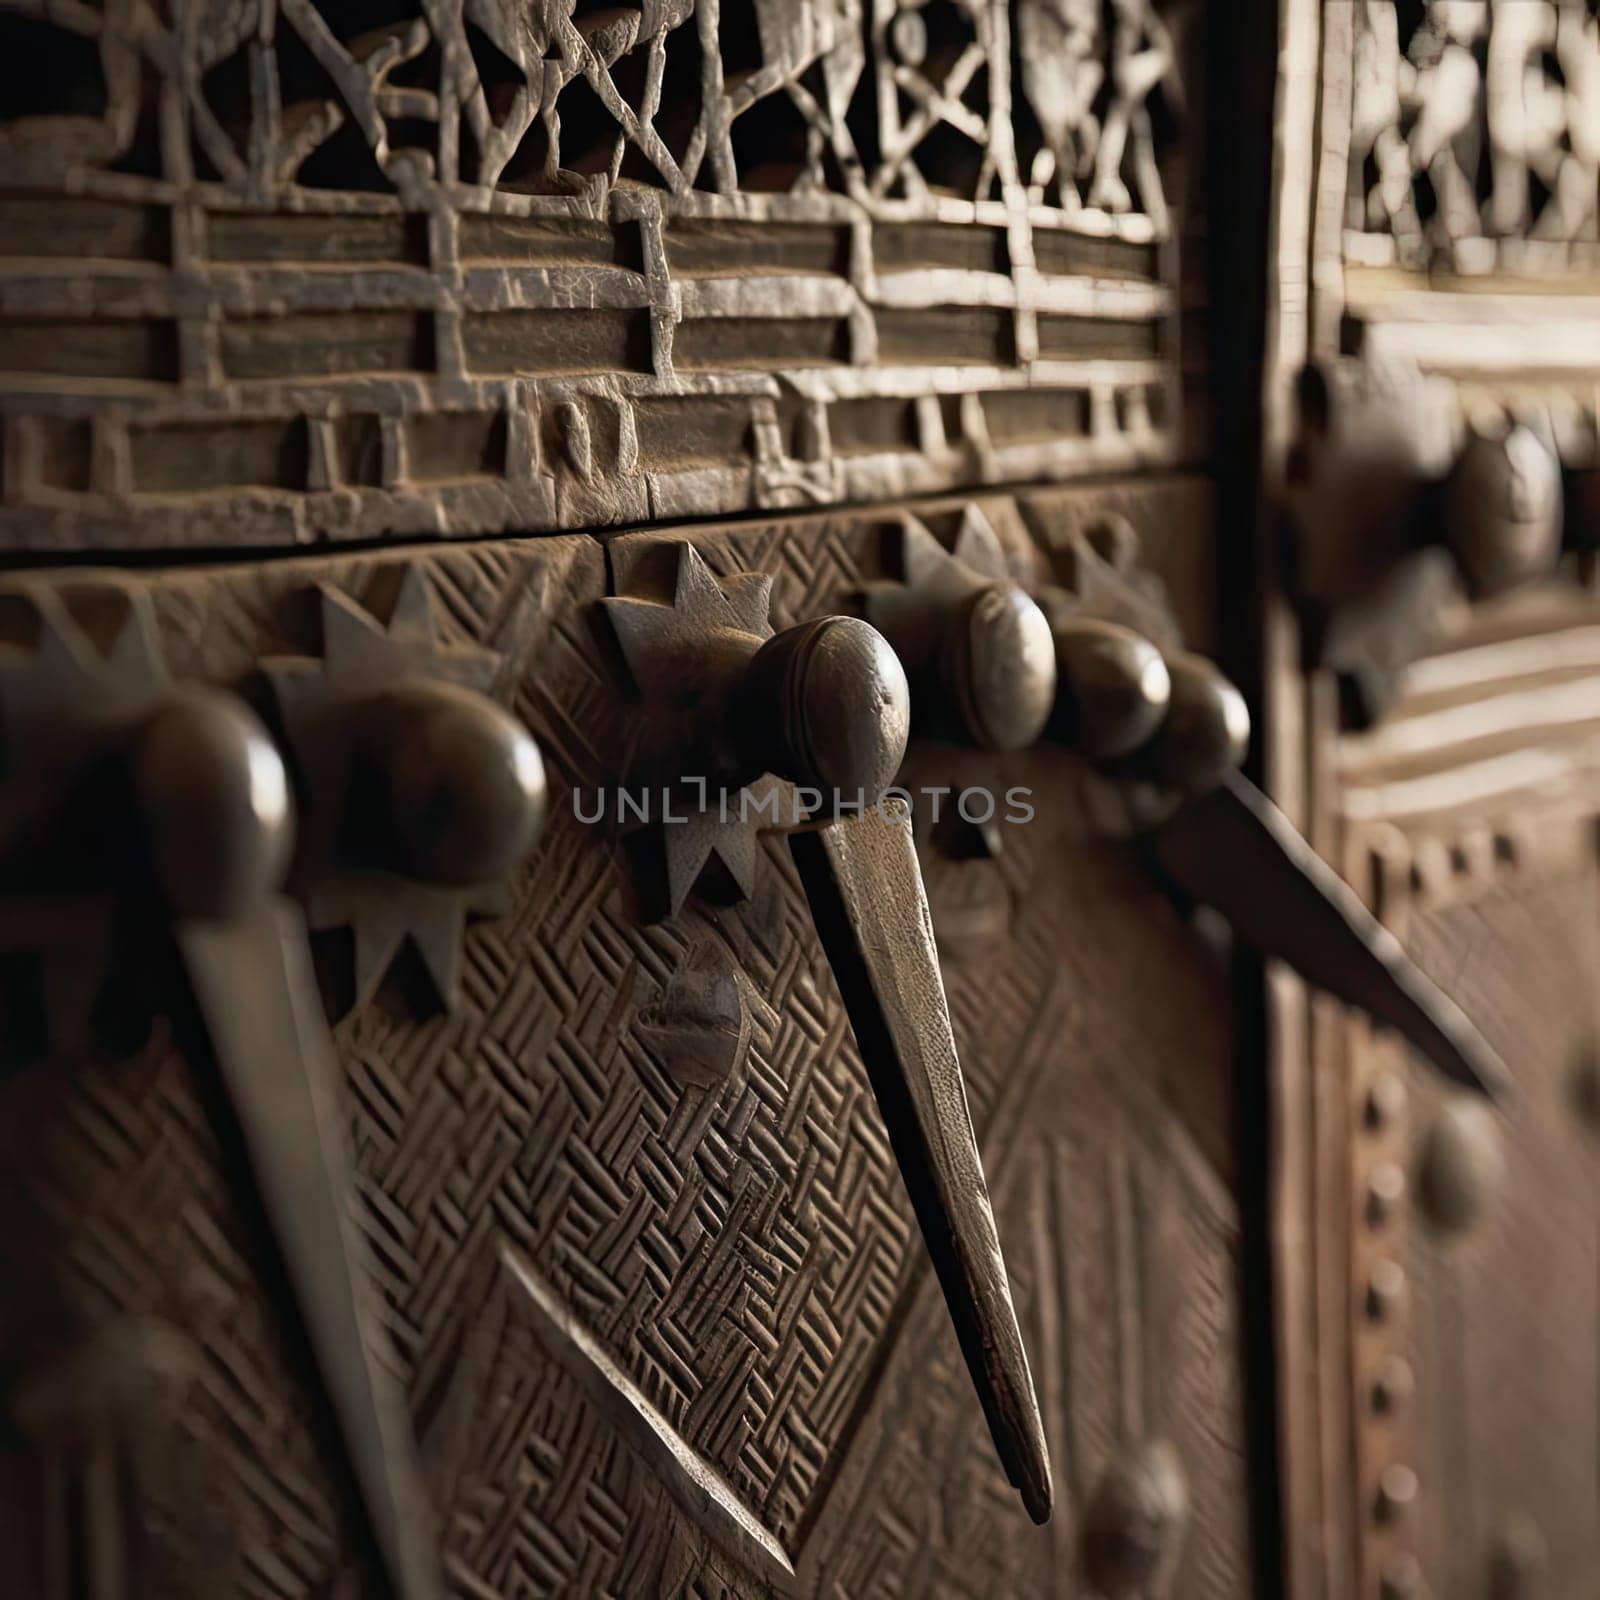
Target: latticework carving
column 1472, row 124
column 442, row 267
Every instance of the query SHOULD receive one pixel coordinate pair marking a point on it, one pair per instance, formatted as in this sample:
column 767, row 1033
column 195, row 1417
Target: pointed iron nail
column 257, row 999
column 862, row 880
column 1235, row 851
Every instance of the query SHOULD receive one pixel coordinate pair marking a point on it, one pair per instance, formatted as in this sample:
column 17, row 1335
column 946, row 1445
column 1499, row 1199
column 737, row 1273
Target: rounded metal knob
column 1386, row 1188
column 1134, row 1518
column 825, row 705
column 461, row 782
column 1386, row 1289
column 998, row 664
column 213, row 801
column 1519, row 1562
column 1585, row 1085
column 1113, row 688
column 1460, row 1166
column 1396, row 1493
column 1206, row 730
column 1503, row 509
column 1385, row 1102
column 1401, row 1578
column 1392, row 1385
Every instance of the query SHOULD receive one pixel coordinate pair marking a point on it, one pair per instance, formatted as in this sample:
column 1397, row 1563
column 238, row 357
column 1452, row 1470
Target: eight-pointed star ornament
column 679, row 627
column 420, row 793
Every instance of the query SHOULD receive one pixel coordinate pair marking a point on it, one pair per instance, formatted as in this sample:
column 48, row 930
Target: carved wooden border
column 521, row 269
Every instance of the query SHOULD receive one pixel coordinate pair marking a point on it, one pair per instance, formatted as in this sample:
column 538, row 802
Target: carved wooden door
column 611, row 786
column 1437, row 1313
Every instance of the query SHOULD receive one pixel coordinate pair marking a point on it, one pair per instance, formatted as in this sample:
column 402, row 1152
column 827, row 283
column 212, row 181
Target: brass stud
column 1586, row 1085
column 1386, row 1188
column 1135, row 1518
column 1401, row 1578
column 1385, row 1102
column 1459, row 1166
column 998, row 665
column 1206, row 731
column 1397, row 1492
column 460, row 781
column 1392, row 1385
column 1519, row 1563
column 215, row 803
column 1503, row 509
column 1385, row 1288
column 1113, row 687
column 976, row 647
column 826, row 705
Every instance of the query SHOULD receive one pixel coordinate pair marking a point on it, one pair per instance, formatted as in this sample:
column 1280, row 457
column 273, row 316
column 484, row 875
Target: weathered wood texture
column 661, row 1331
column 321, row 274
column 1455, row 203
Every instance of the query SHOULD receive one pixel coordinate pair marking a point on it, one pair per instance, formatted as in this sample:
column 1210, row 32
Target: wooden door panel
column 345, row 327
column 653, row 1290
column 1509, row 1381
column 690, row 261
column 1436, row 1269
column 1480, row 1375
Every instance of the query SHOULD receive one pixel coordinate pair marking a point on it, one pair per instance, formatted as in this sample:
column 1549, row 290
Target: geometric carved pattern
column 1471, row 125
column 741, row 1252
column 691, row 1237
column 568, row 98
column 396, row 267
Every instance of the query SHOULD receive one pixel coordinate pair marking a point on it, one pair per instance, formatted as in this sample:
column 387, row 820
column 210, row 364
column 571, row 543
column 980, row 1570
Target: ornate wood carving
column 169, row 801
column 419, row 794
column 334, row 272
column 1473, row 134
column 464, row 268
column 815, row 717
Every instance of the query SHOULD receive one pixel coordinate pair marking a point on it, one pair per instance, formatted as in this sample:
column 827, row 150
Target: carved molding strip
column 1472, row 1410
column 1468, row 816
column 1497, row 721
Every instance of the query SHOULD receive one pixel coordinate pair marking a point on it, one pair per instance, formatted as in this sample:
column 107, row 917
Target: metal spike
column 262, row 1024
column 1235, row 851
column 861, row 877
